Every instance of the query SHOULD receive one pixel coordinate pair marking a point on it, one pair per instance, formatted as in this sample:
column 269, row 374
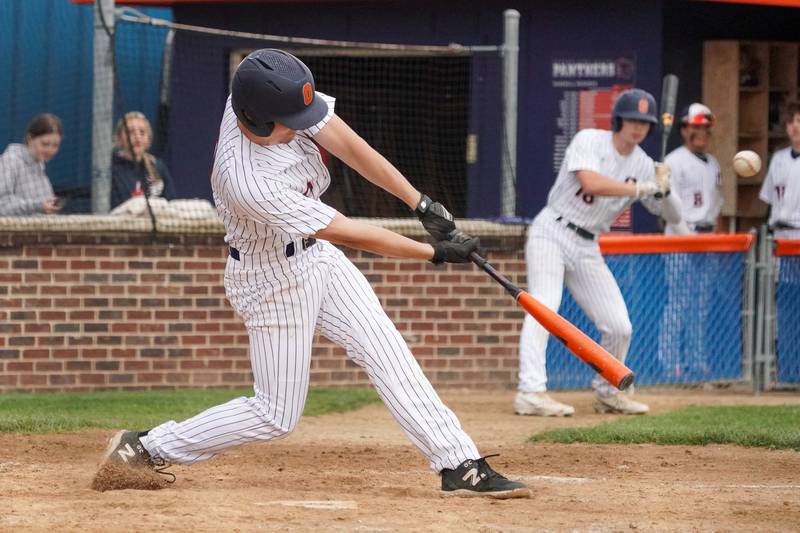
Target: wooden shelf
column 751, row 134
column 747, row 114
column 758, row 179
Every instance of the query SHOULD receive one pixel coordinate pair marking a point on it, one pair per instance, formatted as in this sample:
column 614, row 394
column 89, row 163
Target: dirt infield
column 356, row 472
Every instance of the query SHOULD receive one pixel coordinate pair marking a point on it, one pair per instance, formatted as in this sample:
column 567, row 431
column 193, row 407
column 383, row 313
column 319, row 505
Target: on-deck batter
column 286, row 280
column 603, row 172
column 695, row 181
column 695, row 174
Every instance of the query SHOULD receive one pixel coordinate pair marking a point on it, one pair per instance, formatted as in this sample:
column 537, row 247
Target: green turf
column 71, row 411
column 745, row 425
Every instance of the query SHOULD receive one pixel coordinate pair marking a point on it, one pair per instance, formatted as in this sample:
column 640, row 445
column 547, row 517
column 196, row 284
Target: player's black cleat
column 474, row 477
column 126, row 450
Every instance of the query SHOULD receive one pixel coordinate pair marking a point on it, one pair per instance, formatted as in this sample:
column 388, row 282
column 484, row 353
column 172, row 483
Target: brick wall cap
column 93, row 224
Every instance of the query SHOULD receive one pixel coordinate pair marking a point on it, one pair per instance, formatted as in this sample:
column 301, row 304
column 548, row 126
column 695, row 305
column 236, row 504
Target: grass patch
column 72, row 411
column 745, row 425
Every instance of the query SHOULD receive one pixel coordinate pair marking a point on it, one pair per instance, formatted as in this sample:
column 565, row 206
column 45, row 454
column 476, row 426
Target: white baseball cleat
column 619, row 404
column 540, row 404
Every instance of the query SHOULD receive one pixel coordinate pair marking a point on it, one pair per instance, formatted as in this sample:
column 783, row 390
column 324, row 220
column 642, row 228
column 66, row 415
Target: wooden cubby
column 745, row 84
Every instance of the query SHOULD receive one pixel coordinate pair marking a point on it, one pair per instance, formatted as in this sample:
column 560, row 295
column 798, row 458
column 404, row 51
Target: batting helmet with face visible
column 272, row 86
column 634, row 104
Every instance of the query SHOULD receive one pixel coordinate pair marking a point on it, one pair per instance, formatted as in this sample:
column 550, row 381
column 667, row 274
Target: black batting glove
column 455, row 250
column 435, row 218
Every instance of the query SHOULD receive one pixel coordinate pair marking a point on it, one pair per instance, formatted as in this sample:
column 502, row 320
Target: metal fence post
column 749, row 311
column 770, row 315
column 759, row 312
column 508, row 192
column 102, row 105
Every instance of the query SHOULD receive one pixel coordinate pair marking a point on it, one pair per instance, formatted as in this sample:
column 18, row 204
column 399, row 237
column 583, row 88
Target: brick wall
column 83, row 311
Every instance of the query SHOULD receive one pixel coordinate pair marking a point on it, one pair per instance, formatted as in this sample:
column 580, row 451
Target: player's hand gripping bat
column 577, row 342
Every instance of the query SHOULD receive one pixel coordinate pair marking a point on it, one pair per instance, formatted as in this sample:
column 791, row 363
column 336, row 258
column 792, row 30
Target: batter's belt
column 289, row 250
column 582, row 233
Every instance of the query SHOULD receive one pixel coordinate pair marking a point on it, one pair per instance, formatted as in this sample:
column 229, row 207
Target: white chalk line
column 312, row 504
column 581, row 480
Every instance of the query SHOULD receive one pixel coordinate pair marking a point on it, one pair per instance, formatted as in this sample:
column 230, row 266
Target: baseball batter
column 695, row 173
column 286, row 280
column 602, row 173
column 781, row 187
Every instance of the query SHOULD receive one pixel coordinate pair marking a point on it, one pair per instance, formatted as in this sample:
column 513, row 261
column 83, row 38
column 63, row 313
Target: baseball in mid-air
column 746, row 163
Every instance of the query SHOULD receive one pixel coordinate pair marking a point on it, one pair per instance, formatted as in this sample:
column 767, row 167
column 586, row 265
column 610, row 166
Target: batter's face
column 696, row 138
column 44, row 147
column 633, row 132
column 280, row 135
column 793, row 131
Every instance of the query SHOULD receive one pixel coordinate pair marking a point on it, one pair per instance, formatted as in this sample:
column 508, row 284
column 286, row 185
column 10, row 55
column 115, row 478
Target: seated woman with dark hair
column 24, row 186
column 134, row 170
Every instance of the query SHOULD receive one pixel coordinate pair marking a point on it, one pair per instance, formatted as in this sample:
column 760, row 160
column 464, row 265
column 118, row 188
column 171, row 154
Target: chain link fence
column 687, row 316
column 787, row 300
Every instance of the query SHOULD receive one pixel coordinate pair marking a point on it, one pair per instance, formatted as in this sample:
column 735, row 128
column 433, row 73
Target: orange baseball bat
column 576, row 341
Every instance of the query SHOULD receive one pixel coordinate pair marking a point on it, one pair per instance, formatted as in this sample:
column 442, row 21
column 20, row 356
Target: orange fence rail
column 659, row 244
column 787, row 247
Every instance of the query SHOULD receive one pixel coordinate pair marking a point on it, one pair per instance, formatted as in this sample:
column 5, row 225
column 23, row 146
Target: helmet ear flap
column 262, row 130
column 267, row 129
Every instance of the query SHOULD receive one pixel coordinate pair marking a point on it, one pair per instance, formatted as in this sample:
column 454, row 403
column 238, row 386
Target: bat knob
column 626, row 381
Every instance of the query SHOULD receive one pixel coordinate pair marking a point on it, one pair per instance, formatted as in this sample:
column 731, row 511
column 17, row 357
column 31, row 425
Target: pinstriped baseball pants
column 556, row 256
column 283, row 301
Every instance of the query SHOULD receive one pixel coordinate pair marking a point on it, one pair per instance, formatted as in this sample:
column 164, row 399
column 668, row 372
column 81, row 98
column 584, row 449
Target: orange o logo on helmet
column 643, row 105
column 308, row 93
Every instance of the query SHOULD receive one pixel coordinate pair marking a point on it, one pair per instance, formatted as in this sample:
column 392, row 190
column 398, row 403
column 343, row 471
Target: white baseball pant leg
column 279, row 299
column 545, row 265
column 594, row 289
column 352, row 316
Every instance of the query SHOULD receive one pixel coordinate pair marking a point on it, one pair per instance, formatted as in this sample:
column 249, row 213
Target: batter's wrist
column 423, row 204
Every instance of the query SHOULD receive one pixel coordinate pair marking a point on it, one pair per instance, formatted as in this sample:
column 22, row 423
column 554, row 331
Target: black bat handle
column 512, row 289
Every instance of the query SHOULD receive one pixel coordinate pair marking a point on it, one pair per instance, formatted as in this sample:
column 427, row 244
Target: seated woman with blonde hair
column 135, row 171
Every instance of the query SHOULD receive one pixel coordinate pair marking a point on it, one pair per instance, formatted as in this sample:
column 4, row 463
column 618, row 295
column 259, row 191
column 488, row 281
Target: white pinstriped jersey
column 592, row 149
column 781, row 190
column 269, row 195
column 696, row 182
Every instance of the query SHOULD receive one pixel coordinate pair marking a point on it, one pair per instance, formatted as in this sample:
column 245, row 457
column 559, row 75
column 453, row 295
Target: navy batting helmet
column 634, row 104
column 272, row 86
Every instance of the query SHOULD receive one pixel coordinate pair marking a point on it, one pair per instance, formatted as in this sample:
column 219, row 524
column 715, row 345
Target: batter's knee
column 274, row 425
column 619, row 330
